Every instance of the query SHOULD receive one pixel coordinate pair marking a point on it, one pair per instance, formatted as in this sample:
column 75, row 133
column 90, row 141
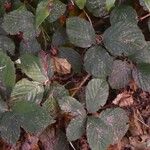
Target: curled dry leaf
column 61, row 65
column 136, row 127
column 124, row 99
column 140, row 143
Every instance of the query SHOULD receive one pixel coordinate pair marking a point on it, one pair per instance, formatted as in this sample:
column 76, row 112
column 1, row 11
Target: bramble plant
column 47, row 47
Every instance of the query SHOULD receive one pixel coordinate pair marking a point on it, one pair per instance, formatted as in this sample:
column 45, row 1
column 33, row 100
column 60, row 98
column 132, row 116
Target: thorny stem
column 81, row 84
column 144, row 17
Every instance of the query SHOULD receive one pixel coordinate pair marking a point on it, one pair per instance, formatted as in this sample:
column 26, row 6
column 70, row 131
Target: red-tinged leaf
column 46, row 64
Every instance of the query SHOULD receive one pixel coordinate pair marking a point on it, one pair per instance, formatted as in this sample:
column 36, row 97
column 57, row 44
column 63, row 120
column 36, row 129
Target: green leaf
column 110, row 4
column 7, row 74
column 31, row 46
column 123, row 13
column 30, row 116
column 143, row 56
column 2, row 32
column 97, row 62
column 62, row 142
column 58, row 91
column 106, row 129
column 3, row 106
column 31, row 67
column 54, row 139
column 58, row 9
column 124, row 38
column 145, row 4
column 69, row 104
column 72, row 57
column 60, row 37
column 97, row 7
column 80, row 3
column 76, row 128
column 77, row 34
column 51, row 106
column 42, row 11
column 27, row 90
column 97, row 92
column 7, row 45
column 141, row 76
column 121, row 74
column 46, row 64
column 51, row 95
column 20, row 20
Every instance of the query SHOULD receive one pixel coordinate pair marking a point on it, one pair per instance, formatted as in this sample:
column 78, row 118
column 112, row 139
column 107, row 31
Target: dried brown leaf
column 123, row 99
column 140, row 143
column 61, row 65
column 135, row 127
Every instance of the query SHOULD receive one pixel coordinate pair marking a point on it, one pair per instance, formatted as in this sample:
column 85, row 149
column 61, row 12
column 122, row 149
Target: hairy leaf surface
column 27, row 90
column 141, row 76
column 80, row 32
column 121, row 74
column 20, row 20
column 97, row 62
column 58, row 9
column 31, row 67
column 106, row 129
column 124, row 38
column 97, row 92
column 97, row 7
column 123, row 13
column 28, row 115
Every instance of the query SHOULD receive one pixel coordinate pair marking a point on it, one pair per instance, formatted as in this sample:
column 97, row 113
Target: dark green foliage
column 101, row 39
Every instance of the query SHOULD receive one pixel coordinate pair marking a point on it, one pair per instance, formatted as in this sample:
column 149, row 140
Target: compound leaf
column 28, row 115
